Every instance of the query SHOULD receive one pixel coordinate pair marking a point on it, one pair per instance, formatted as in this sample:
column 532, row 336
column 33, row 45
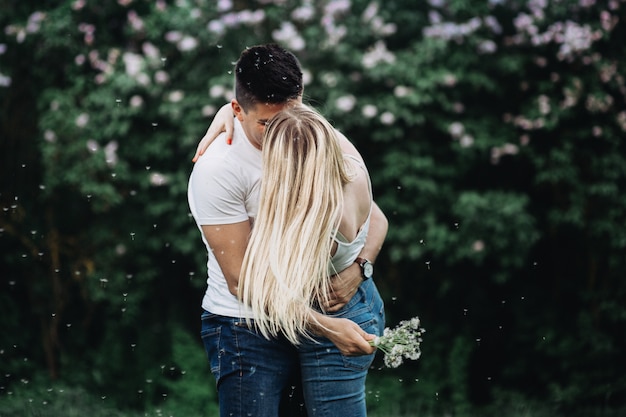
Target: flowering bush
column 493, row 131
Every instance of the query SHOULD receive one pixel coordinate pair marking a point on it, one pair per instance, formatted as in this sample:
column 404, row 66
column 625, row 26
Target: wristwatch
column 367, row 268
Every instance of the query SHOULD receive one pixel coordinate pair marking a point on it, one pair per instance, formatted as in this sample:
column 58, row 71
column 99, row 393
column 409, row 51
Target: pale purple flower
column 288, row 34
column 456, row 129
column 335, row 7
column 93, row 146
column 487, row 47
column 136, row 101
column 370, row 12
column 176, row 96
column 5, row 80
column 157, row 179
column 208, row 110
column 187, row 43
column 161, row 77
column 369, row 111
column 377, row 54
column 387, row 118
column 621, row 120
column 380, row 28
column 143, row 79
column 110, row 153
column 401, row 91
column 217, row 27
column 224, row 5
column 544, row 104
column 82, row 120
column 49, row 136
column 151, row 51
column 217, row 90
column 478, row 246
column 346, row 103
column 596, row 131
column 133, row 63
column 303, row 13
column 437, row 3
column 135, row 21
column 434, row 17
column 522, row 22
column 173, row 36
column 34, row 22
column 230, row 19
column 78, row 4
column 493, row 24
column 466, row 141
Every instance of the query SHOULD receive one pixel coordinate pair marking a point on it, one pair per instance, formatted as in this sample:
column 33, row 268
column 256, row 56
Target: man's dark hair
column 267, row 74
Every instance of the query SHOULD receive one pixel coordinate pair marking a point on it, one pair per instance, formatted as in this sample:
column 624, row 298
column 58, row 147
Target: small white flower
column 403, row 342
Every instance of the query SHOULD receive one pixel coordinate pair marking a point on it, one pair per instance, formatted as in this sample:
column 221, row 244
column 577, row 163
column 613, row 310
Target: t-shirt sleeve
column 216, row 192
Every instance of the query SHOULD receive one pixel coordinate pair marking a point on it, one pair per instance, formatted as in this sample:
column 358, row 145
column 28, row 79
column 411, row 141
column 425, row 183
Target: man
column 252, row 373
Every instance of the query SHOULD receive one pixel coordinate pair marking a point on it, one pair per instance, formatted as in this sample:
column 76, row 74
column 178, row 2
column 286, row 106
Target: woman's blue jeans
column 254, row 373
column 334, row 384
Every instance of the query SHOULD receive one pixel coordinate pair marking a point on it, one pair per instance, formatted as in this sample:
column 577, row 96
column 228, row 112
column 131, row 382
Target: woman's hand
column 349, row 338
column 222, row 122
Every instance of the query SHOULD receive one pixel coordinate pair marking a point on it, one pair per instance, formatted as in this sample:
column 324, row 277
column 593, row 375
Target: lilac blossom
column 304, row 13
column 377, row 54
column 157, row 179
column 346, row 103
column 5, row 80
column 110, row 153
column 369, row 111
column 288, row 34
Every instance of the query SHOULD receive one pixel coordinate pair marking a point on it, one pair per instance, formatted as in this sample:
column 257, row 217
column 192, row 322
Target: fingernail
column 229, row 141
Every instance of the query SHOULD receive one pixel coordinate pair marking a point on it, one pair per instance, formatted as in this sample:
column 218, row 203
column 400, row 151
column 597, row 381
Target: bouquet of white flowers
column 401, row 342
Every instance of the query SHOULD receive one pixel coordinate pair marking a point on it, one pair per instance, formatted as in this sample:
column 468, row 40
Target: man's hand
column 222, row 122
column 343, row 287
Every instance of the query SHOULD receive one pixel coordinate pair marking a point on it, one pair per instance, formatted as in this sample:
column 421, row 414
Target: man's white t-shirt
column 224, row 189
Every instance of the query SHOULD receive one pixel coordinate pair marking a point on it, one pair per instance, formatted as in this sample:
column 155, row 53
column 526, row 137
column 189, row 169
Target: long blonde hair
column 285, row 270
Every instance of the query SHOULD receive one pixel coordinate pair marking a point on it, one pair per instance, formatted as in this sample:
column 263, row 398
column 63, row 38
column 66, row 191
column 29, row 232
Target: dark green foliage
column 494, row 133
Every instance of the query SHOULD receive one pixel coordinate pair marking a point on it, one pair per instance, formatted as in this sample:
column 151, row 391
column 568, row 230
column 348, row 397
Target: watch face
column 368, row 269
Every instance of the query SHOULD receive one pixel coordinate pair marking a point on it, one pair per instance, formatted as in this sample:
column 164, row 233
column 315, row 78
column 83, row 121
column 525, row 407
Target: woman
column 312, row 222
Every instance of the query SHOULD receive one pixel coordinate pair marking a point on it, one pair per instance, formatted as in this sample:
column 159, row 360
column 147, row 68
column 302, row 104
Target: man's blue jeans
column 252, row 373
column 334, row 384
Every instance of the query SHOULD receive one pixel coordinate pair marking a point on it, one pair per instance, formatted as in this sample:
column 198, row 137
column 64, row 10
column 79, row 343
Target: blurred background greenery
column 494, row 133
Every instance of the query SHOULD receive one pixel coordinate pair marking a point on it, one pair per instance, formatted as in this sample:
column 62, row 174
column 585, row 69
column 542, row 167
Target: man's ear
column 237, row 109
